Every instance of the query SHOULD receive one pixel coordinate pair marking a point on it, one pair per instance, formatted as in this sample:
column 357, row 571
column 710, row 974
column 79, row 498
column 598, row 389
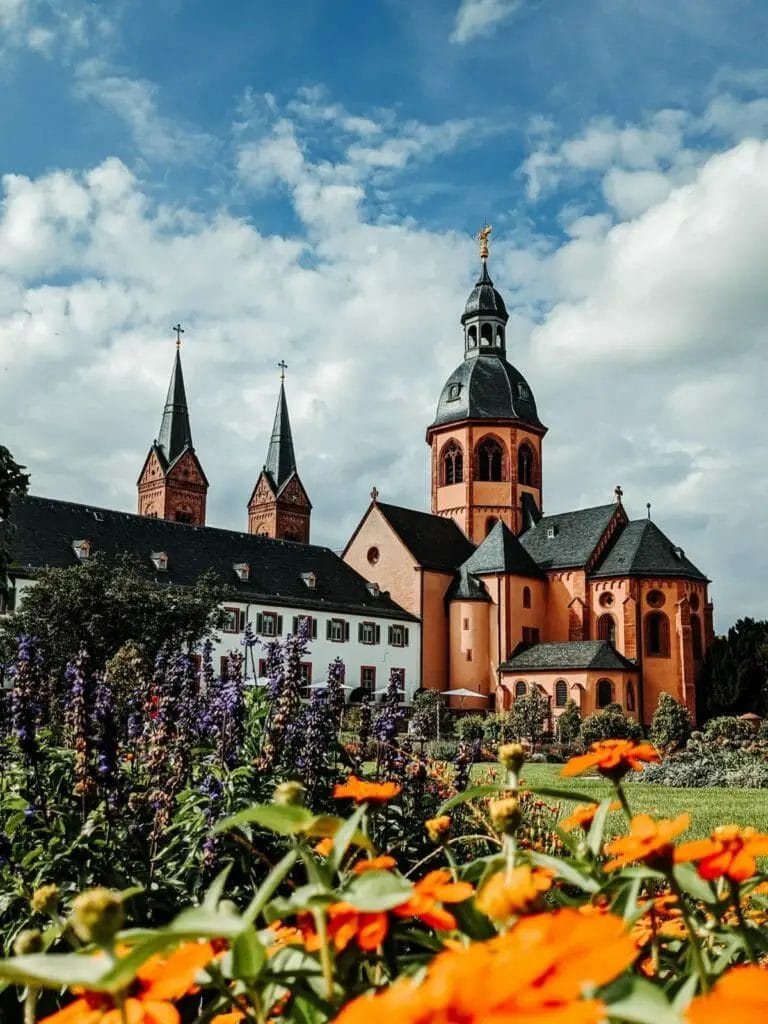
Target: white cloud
column 479, row 17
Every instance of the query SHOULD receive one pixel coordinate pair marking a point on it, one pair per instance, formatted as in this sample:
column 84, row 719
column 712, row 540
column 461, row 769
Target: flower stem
column 736, row 896
column 622, row 798
column 326, row 961
column 696, row 950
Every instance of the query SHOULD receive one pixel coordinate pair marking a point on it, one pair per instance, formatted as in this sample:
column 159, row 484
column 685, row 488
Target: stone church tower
column 486, row 436
column 172, row 484
column 279, row 506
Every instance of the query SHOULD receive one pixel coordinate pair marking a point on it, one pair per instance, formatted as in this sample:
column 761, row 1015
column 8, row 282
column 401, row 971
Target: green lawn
column 707, row 807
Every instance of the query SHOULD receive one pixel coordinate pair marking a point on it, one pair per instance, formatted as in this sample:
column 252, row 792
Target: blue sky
column 304, row 180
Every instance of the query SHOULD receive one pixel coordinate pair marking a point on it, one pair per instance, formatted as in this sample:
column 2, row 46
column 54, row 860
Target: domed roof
column 484, row 299
column 486, row 388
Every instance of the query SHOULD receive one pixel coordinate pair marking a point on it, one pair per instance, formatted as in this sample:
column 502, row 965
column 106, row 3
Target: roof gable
column 501, row 552
column 576, row 654
column 569, row 540
column 434, row 541
column 642, row 549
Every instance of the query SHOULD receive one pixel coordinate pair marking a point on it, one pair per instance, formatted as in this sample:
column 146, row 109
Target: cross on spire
column 283, row 367
column 179, row 331
column 619, row 494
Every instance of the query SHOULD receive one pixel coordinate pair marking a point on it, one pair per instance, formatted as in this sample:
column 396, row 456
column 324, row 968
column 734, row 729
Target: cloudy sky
column 303, row 181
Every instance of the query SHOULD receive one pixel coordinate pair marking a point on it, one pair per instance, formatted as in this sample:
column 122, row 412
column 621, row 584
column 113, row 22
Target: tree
column 429, row 708
column 13, row 481
column 529, row 715
column 103, row 604
column 734, row 676
column 671, row 724
column 470, row 727
column 569, row 723
column 609, row 724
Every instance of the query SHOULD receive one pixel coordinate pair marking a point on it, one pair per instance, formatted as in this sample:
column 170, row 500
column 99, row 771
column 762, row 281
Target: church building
column 588, row 605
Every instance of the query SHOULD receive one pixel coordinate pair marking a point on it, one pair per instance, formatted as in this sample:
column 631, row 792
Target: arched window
column 561, row 693
column 606, row 628
column 526, row 597
column 500, row 337
column 486, row 335
column 696, row 644
column 490, row 522
column 604, row 693
column 490, row 460
column 657, row 635
column 520, row 688
column 472, row 336
column 453, row 463
column 525, row 465
column 630, row 696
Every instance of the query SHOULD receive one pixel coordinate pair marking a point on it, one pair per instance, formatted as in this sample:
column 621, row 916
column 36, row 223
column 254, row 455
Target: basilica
column 484, row 598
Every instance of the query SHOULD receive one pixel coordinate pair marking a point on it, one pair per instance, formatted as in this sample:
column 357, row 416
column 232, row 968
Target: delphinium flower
column 248, row 642
column 105, row 735
column 334, row 691
column 212, row 789
column 79, row 721
column 25, row 697
column 387, row 722
column 317, row 740
column 228, row 709
column 284, row 691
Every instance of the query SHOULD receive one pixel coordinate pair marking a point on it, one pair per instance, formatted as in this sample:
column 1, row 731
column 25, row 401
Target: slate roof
column 466, row 588
column 575, row 654
column 486, row 387
column 501, row 552
column 434, row 541
column 44, row 529
column 576, row 535
column 643, row 550
column 175, row 433
column 484, row 299
column 281, row 457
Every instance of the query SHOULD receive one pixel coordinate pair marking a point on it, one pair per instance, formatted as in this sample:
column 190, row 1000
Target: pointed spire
column 281, row 458
column 175, row 432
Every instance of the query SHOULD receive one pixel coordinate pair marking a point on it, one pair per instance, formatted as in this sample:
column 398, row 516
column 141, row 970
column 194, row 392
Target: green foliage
column 569, row 723
column 726, row 730
column 470, row 727
column 734, row 675
column 528, row 716
column 497, row 728
column 671, row 724
column 429, row 708
column 102, row 605
column 13, row 481
column 609, row 724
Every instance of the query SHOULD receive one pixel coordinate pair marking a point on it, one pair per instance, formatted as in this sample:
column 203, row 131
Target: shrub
column 727, row 730
column 443, row 750
column 610, row 724
column 428, row 709
column 528, row 716
column 569, row 723
column 470, row 727
column 671, row 724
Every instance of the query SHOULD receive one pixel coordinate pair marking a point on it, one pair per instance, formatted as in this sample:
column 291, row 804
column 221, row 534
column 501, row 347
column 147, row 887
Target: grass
column 707, row 807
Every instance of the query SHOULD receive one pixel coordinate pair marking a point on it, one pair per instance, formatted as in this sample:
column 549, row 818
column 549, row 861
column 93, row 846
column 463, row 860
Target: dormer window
column 82, row 549
column 373, row 589
column 454, row 391
column 309, row 580
column 160, row 560
column 523, row 392
column 242, row 571
column 551, row 532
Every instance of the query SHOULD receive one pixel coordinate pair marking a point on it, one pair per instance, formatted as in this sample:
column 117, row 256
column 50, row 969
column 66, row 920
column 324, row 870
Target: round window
column 606, row 600
column 373, row 555
column 655, row 598
column 693, row 601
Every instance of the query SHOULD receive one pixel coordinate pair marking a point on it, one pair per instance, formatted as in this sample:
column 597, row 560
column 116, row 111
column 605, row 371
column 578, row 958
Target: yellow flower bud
column 290, row 794
column 505, row 815
column 45, row 900
column 512, row 756
column 438, row 829
column 97, row 915
column 28, row 941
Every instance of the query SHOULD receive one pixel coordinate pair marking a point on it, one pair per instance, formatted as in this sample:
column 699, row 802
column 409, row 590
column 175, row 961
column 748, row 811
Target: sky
column 303, row 182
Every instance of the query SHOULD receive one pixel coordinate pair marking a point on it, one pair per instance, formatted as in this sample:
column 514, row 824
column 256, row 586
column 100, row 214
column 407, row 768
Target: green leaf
column 471, row 794
column 376, row 891
column 343, row 837
column 562, row 869
column 561, row 794
column 284, row 819
column 326, row 825
column 640, row 1002
column 248, row 956
column 595, row 834
column 216, row 889
column 202, row 922
column 267, row 888
column 689, row 880
column 55, row 970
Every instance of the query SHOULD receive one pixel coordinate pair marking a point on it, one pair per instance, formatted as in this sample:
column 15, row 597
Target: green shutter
column 259, row 623
column 279, row 625
column 346, row 630
column 295, row 625
column 405, row 636
column 378, row 635
column 360, row 632
column 328, row 630
column 314, row 628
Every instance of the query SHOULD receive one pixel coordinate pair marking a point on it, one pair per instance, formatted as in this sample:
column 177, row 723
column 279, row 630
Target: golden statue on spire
column 482, row 237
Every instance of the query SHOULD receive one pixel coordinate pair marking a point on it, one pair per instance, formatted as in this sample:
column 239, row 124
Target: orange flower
column 535, row 972
column 648, row 840
column 612, row 758
column 365, row 792
column 158, row 981
column 374, row 864
column 282, row 935
column 424, row 903
column 741, row 994
column 729, row 851
column 345, row 924
column 510, row 895
column 584, row 816
column 324, row 847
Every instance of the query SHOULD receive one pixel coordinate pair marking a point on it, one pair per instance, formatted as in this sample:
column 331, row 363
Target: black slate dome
column 484, row 299
column 486, row 388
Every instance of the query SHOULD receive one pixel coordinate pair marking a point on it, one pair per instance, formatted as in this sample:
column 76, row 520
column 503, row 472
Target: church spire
column 172, row 484
column 281, row 457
